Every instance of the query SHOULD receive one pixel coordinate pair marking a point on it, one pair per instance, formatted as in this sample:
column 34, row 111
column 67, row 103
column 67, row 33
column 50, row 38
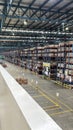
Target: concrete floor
column 11, row 117
column 54, row 99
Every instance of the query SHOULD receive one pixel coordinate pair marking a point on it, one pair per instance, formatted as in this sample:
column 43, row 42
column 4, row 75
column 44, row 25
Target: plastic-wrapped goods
column 66, row 72
column 70, row 54
column 60, row 65
column 58, row 75
column 61, row 54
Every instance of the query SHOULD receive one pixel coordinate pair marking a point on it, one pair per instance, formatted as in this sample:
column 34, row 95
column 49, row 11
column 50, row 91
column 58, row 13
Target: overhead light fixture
column 36, row 20
column 25, row 22
column 62, row 23
column 32, row 31
column 66, row 28
column 56, row 22
column 13, row 34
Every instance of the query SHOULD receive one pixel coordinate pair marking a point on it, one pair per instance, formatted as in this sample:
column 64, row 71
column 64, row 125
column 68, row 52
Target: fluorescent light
column 32, row 31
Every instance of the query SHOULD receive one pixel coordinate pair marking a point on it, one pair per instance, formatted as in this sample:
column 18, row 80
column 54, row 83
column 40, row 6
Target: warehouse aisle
column 55, row 100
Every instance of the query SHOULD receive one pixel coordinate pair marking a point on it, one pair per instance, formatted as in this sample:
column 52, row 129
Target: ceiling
column 25, row 23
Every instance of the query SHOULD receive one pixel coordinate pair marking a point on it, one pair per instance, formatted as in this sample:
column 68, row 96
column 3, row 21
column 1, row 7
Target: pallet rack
column 33, row 58
column 59, row 57
column 51, row 58
column 39, row 60
column 65, row 63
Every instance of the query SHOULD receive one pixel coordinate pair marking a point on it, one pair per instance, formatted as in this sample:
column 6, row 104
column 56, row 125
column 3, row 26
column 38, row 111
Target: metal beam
column 24, row 17
column 9, row 5
column 25, row 11
column 14, row 12
column 21, row 6
column 64, row 18
column 4, row 11
column 63, row 7
column 7, row 9
column 54, row 5
column 60, row 20
column 32, row 19
column 42, row 5
column 25, row 7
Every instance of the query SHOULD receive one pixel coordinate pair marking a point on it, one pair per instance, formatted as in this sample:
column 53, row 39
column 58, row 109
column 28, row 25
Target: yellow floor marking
column 57, row 104
column 58, row 113
column 51, row 107
column 44, row 95
column 62, row 103
column 37, row 96
column 57, row 100
column 48, row 98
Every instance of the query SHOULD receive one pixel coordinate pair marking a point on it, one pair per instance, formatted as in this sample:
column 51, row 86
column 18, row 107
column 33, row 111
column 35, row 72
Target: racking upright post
column 60, row 63
column 53, row 63
column 64, row 61
column 57, row 59
column 65, row 55
column 69, row 64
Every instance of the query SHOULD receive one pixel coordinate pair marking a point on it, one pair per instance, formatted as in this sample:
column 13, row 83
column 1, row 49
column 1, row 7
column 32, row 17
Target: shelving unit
column 33, row 58
column 59, row 57
column 52, row 53
column 65, row 63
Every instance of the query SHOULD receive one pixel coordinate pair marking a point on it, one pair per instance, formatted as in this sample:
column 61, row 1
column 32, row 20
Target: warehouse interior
column 36, row 49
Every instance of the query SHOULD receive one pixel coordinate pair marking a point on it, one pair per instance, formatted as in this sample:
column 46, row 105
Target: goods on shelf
column 65, row 62
column 50, row 67
column 33, row 58
column 60, row 58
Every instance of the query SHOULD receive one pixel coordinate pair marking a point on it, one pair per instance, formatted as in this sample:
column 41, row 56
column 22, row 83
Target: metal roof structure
column 26, row 23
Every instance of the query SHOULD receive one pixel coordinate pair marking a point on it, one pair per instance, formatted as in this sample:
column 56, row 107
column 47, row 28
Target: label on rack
column 45, row 64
